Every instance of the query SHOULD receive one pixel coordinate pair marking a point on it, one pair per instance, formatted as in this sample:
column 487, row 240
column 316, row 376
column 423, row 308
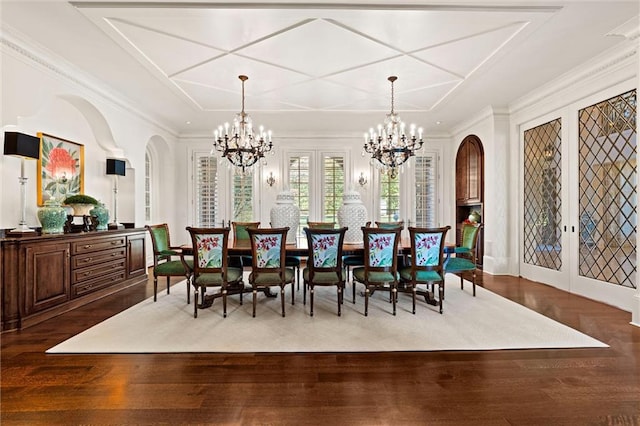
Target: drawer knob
column 88, row 259
column 88, row 246
column 86, row 274
column 113, row 243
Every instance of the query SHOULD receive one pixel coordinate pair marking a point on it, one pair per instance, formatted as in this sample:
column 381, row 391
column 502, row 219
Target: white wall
column 40, row 96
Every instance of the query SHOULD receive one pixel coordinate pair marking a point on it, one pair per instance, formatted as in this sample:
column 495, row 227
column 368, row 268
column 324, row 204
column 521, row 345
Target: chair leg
column 311, row 291
column 168, row 286
column 339, row 286
column 188, row 288
column 155, row 288
column 394, row 296
column 195, row 302
column 474, row 283
column 461, row 282
column 353, row 287
column 255, row 296
column 293, row 292
column 366, row 300
column 413, row 294
column 282, row 298
column 224, row 302
column 304, row 293
column 441, row 292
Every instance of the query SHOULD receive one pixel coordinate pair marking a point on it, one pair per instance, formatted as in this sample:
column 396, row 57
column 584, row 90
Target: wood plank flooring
column 598, row 386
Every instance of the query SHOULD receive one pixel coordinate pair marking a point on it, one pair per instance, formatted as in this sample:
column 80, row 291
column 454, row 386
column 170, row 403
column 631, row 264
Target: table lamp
column 115, row 168
column 26, row 147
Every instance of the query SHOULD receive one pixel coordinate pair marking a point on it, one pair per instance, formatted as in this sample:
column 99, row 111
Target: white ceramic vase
column 286, row 213
column 352, row 214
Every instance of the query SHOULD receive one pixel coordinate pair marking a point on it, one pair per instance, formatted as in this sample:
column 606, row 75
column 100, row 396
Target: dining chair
column 241, row 237
column 464, row 259
column 390, row 225
column 211, row 266
column 321, row 225
column 168, row 261
column 380, row 270
column 427, row 262
column 324, row 263
column 268, row 269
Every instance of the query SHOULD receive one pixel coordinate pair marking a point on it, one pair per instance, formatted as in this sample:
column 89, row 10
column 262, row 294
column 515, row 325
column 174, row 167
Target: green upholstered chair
column 324, row 263
column 380, row 270
column 168, row 260
column 241, row 237
column 464, row 259
column 268, row 269
column 211, row 266
column 390, row 225
column 427, row 266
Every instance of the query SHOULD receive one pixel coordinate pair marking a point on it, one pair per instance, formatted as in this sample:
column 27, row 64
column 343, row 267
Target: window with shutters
column 332, row 187
column 243, row 196
column 426, row 191
column 206, row 190
column 147, row 187
column 389, row 197
column 299, row 168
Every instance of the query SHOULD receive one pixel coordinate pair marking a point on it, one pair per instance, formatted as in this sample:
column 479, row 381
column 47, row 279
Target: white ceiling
column 323, row 66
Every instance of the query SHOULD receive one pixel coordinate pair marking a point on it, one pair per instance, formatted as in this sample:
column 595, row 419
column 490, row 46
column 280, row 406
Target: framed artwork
column 60, row 168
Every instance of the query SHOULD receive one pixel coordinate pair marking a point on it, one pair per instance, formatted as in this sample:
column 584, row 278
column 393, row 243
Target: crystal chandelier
column 238, row 143
column 389, row 145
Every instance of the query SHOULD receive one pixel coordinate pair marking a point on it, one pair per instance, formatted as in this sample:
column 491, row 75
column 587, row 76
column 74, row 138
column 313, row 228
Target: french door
column 579, row 197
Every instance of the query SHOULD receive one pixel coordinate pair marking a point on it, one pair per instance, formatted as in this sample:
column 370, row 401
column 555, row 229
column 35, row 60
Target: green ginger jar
column 101, row 213
column 52, row 216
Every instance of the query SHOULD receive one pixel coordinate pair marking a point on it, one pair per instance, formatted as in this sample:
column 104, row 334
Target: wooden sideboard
column 46, row 275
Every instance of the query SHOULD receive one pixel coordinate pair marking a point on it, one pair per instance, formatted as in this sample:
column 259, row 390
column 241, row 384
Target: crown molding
column 30, row 52
column 610, row 62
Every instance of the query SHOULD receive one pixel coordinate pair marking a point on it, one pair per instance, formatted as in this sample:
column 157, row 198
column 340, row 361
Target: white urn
column 352, row 214
column 286, row 213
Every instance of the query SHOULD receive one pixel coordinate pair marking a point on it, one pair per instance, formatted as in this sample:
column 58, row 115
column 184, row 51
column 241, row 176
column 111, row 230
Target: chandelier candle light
column 389, row 144
column 238, row 143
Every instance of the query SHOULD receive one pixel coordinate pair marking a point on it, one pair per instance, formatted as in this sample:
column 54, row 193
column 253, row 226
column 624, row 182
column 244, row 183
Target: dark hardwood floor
column 512, row 387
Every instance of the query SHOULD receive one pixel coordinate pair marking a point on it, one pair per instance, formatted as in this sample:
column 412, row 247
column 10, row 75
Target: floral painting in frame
column 60, row 168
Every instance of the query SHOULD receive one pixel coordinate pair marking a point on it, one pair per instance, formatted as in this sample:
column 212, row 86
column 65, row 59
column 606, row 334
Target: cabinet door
column 461, row 175
column 474, row 172
column 47, row 276
column 136, row 255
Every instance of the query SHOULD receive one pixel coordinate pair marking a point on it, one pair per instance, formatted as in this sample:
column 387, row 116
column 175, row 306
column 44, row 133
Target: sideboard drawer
column 89, row 246
column 95, row 284
column 88, row 259
column 90, row 272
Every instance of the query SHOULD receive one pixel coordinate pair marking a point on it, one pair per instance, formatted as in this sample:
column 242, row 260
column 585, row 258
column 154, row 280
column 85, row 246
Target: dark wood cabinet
column 47, row 270
column 470, row 187
column 470, row 172
column 46, row 275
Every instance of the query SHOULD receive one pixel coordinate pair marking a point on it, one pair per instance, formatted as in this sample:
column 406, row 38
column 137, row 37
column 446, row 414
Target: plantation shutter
column 243, row 196
column 206, row 190
column 333, row 187
column 426, row 188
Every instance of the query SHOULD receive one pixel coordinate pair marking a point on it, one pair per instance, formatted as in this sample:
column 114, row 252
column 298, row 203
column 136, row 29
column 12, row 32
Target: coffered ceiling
column 316, row 67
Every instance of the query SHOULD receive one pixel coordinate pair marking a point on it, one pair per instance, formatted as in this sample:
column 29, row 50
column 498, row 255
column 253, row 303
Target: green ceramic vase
column 102, row 215
column 52, row 216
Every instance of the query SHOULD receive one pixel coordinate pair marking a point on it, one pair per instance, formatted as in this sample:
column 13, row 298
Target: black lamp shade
column 115, row 167
column 21, row 145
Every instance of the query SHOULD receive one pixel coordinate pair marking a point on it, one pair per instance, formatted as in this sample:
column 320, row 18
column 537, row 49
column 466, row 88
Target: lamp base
column 115, row 226
column 21, row 229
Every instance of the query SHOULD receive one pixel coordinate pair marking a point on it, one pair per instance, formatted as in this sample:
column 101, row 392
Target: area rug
column 484, row 322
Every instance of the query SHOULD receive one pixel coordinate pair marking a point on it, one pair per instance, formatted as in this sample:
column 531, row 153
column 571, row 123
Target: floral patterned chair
column 211, row 267
column 268, row 269
column 427, row 265
column 324, row 264
column 380, row 270
column 465, row 254
column 168, row 260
